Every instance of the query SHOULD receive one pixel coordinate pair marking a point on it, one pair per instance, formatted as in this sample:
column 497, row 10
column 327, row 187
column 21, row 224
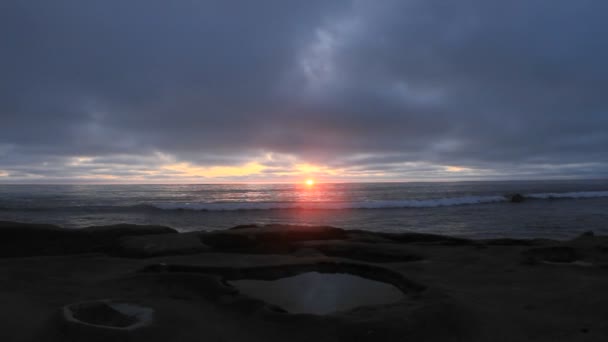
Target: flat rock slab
column 120, row 230
column 462, row 290
column 107, row 320
column 25, row 239
column 164, row 244
column 370, row 252
column 271, row 238
column 409, row 317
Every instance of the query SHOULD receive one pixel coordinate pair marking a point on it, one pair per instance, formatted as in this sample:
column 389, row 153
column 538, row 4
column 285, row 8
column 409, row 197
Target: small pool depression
column 320, row 293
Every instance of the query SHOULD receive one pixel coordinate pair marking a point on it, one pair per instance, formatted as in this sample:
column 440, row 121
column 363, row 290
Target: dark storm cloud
column 385, row 89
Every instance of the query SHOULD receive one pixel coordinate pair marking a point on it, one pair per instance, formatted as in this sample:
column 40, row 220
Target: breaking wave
column 376, row 204
column 429, row 203
column 573, row 195
column 388, row 204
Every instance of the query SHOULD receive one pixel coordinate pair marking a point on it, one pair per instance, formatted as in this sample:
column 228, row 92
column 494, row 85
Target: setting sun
column 310, row 182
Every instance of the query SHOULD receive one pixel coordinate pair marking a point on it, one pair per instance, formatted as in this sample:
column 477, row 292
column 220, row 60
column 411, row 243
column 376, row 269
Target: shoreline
column 553, row 219
column 456, row 288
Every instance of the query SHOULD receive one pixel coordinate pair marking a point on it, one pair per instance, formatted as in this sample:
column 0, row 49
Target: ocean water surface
column 553, row 209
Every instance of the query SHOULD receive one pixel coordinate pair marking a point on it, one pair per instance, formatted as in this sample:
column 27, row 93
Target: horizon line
column 318, row 182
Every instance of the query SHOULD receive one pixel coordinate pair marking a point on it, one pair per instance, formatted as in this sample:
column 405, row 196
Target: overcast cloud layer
column 273, row 90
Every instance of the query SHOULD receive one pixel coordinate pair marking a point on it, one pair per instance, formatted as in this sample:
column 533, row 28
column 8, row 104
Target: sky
column 155, row 91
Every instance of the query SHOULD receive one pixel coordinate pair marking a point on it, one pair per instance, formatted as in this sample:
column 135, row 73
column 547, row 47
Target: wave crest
column 428, row 203
column 573, row 195
column 243, row 206
column 388, row 204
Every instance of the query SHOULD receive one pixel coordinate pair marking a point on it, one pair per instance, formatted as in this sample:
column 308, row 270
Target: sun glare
column 310, row 182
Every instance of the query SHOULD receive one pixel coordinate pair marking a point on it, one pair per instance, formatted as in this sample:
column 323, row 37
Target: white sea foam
column 371, row 204
column 387, row 204
column 426, row 203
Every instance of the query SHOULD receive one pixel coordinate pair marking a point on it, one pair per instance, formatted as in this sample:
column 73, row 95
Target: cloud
column 357, row 90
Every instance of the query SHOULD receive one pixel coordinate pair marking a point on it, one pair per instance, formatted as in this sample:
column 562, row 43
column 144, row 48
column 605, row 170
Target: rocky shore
column 151, row 283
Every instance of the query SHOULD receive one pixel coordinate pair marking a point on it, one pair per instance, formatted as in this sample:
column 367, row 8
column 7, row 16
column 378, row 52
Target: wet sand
column 454, row 289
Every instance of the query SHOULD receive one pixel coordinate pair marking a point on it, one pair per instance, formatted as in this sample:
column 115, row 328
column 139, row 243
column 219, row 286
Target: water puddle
column 320, row 293
column 108, row 314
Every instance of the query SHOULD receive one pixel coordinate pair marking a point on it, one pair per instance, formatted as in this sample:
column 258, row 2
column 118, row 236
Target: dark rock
column 228, row 241
column 366, row 237
column 107, row 320
column 278, row 232
column 427, row 238
column 560, row 254
column 145, row 246
column 103, row 314
column 120, row 230
column 511, row 242
column 517, row 198
column 16, row 230
column 425, row 314
column 269, row 238
column 274, row 272
column 381, row 253
column 24, row 239
column 602, row 248
column 244, row 226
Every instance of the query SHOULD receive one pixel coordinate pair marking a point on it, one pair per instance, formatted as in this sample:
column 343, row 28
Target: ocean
column 552, row 209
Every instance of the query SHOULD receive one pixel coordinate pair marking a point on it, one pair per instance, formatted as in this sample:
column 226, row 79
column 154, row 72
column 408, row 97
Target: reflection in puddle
column 320, row 293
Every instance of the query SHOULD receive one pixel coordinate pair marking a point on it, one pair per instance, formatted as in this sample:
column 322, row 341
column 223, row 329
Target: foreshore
column 455, row 289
